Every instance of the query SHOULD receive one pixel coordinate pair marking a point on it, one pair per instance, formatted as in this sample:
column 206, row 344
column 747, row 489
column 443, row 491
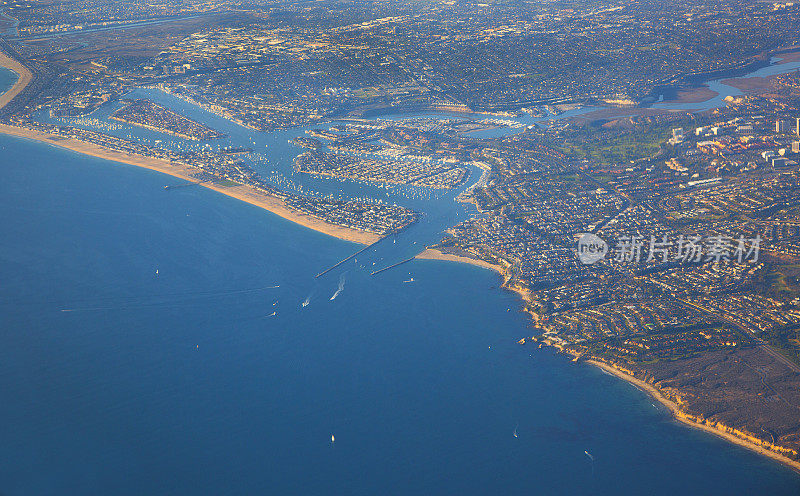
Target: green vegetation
column 227, row 183
column 786, row 341
column 782, row 281
column 612, row 147
column 621, row 150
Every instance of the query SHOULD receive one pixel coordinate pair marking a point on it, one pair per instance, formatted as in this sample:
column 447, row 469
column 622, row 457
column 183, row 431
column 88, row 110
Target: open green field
column 609, row 148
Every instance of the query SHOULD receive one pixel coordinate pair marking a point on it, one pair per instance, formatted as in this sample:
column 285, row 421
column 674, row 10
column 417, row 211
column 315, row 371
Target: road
column 757, row 340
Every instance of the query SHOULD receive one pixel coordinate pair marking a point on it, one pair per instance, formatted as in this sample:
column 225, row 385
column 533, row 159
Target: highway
column 757, row 340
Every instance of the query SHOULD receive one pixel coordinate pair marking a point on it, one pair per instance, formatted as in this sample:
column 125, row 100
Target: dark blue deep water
column 115, row 379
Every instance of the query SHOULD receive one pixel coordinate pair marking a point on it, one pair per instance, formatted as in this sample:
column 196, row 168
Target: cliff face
column 745, row 393
column 743, row 435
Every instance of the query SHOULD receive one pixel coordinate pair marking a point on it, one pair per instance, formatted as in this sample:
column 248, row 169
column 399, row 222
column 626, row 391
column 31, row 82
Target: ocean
column 139, row 355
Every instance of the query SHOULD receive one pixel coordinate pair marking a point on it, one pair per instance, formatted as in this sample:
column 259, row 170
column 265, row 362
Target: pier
column 393, row 266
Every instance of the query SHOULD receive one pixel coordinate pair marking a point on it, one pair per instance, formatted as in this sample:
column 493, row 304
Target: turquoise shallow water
column 116, row 379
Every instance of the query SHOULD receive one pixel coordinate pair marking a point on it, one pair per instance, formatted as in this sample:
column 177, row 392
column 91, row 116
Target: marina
column 190, row 376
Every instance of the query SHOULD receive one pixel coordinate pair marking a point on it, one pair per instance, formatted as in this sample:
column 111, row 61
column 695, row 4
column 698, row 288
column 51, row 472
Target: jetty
column 393, row 266
column 185, row 185
column 359, row 252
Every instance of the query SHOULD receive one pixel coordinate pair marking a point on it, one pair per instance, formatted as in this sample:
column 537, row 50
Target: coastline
column 682, row 417
column 240, row 192
column 434, row 254
column 277, row 207
column 688, row 420
column 24, row 76
column 154, row 128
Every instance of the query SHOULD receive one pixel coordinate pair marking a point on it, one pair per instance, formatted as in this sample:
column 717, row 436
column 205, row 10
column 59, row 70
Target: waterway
column 723, row 90
column 154, row 342
column 139, row 356
column 7, row 79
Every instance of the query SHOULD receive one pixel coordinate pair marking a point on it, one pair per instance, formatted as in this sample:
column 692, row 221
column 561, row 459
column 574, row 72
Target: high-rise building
column 677, row 136
column 780, row 126
column 796, row 147
column 797, row 126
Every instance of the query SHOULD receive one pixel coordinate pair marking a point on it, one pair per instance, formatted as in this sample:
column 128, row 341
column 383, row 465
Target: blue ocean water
column 138, row 356
column 7, row 79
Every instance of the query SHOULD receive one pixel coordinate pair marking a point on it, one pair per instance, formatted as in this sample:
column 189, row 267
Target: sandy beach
column 240, row 192
column 24, row 78
column 684, row 419
column 433, row 254
column 277, row 207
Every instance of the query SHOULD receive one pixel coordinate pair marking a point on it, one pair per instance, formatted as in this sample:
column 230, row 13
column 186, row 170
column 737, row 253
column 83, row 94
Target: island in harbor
column 144, row 113
column 411, row 103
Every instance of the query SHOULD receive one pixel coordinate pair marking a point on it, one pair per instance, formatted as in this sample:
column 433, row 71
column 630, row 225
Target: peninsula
column 239, row 191
column 582, row 121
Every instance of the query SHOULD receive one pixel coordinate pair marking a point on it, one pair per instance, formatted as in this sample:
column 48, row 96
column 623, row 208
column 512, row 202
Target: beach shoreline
column 240, row 192
column 434, row 254
column 652, row 391
column 24, row 76
column 683, row 418
column 276, row 206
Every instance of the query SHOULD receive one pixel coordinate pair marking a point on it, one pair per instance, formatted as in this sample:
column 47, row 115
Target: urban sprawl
column 716, row 332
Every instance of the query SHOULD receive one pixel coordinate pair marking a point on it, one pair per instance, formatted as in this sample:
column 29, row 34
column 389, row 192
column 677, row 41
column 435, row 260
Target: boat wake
column 339, row 289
